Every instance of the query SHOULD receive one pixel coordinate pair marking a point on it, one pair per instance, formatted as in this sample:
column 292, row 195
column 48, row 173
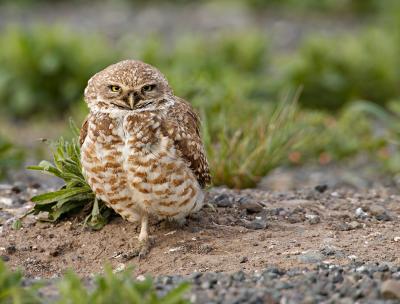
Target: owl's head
column 127, row 85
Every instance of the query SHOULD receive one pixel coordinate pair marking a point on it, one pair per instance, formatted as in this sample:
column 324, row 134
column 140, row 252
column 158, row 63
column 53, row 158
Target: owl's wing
column 84, row 131
column 183, row 125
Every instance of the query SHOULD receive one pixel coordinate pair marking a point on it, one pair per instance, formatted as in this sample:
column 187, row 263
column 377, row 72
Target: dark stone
column 239, row 276
column 321, row 188
column 391, row 289
column 18, row 187
column 11, row 249
column 256, row 224
column 250, row 206
column 337, row 278
column 244, row 259
column 222, row 200
column 379, row 212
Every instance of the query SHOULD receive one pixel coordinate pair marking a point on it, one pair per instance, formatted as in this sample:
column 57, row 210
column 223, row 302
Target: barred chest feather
column 135, row 168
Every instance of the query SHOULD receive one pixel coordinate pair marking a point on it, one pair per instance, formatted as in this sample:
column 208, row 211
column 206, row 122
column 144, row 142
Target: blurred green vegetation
column 357, row 7
column 337, row 70
column 235, row 80
column 43, row 70
column 11, row 156
column 108, row 288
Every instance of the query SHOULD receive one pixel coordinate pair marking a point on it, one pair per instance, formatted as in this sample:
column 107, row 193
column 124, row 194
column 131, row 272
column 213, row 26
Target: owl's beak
column 133, row 98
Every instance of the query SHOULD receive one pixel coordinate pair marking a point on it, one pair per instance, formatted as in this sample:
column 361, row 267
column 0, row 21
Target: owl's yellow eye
column 115, row 88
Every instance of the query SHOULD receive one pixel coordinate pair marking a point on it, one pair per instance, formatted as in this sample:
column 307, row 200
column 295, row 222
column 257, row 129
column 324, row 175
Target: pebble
column 313, row 219
column 6, row 201
column 120, row 267
column 256, row 224
column 250, row 206
column 11, row 249
column 321, row 188
column 379, row 212
column 311, row 257
column 360, row 213
column 354, row 225
column 222, row 200
column 244, row 259
column 390, row 289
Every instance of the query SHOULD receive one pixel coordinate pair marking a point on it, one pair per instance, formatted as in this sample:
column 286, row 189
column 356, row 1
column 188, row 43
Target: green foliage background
column 236, row 80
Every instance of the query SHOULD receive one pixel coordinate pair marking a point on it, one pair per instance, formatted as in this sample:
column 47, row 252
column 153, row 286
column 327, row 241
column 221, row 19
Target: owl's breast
column 102, row 157
column 129, row 163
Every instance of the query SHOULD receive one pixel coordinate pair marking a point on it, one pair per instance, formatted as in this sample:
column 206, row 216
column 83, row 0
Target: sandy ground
column 243, row 230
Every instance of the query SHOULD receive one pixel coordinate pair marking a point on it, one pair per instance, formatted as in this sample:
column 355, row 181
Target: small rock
column 6, row 201
column 238, row 276
column 313, row 219
column 396, row 275
column 175, row 249
column 341, row 226
column 11, row 249
column 167, row 280
column 321, row 188
column 311, row 257
column 205, row 248
column 360, row 213
column 35, row 185
column 17, row 188
column 379, row 212
column 222, row 200
column 244, row 259
column 256, row 224
column 396, row 239
column 354, row 225
column 390, row 289
column 331, row 251
column 120, row 267
column 251, row 206
column 140, row 277
column 335, row 194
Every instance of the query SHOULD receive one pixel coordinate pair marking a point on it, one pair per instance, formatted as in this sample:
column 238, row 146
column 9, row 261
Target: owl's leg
column 144, row 229
column 145, row 242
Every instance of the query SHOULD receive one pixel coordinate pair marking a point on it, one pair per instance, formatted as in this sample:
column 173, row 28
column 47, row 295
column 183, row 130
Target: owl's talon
column 144, row 248
column 130, row 255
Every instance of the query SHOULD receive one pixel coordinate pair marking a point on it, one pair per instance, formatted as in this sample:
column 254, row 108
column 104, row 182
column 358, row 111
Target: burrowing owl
column 141, row 149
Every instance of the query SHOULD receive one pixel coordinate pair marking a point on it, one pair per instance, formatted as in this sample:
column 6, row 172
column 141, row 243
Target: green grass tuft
column 241, row 154
column 76, row 194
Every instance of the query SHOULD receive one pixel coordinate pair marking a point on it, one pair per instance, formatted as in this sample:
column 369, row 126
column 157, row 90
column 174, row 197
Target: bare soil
column 239, row 230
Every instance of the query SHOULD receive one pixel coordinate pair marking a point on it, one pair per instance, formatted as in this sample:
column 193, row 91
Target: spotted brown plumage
column 182, row 124
column 141, row 149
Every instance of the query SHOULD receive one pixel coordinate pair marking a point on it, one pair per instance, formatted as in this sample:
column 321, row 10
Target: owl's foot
column 140, row 251
column 144, row 248
column 145, row 242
